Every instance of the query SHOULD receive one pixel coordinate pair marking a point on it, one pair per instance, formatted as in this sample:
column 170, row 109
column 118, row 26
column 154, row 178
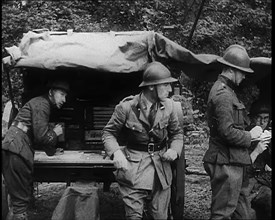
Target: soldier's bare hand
column 267, row 168
column 266, row 135
column 58, row 129
column 120, row 161
column 261, row 147
column 169, row 155
column 59, row 151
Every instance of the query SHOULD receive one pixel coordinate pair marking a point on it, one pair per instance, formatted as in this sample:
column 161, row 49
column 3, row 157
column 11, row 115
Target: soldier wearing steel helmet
column 30, row 127
column 228, row 155
column 143, row 165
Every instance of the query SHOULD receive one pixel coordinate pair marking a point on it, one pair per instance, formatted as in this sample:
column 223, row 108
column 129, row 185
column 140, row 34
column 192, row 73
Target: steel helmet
column 237, row 57
column 156, row 73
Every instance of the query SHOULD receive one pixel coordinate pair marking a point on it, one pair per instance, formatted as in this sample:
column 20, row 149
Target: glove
column 256, row 132
column 170, row 155
column 120, row 161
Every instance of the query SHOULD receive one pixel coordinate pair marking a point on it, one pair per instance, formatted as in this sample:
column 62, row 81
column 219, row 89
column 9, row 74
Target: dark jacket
column 35, row 115
column 226, row 116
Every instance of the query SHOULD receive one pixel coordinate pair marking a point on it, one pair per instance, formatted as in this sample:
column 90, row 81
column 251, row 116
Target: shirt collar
column 227, row 81
column 145, row 102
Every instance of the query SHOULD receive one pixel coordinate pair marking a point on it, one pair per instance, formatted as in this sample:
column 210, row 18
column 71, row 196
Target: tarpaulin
column 78, row 203
column 105, row 51
column 122, row 52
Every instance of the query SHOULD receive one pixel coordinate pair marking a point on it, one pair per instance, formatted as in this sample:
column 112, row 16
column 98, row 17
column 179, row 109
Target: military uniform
column 147, row 174
column 30, row 127
column 227, row 155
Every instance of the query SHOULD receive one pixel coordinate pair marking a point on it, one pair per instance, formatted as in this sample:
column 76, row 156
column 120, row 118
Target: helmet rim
column 244, row 69
column 236, row 56
column 157, row 82
column 156, row 73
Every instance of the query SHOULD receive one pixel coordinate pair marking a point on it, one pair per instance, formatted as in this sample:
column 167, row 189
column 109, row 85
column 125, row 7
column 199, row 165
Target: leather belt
column 150, row 147
column 21, row 126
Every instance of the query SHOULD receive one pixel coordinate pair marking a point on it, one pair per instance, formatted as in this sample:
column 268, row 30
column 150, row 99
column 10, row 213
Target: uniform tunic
column 227, row 154
column 144, row 172
column 18, row 151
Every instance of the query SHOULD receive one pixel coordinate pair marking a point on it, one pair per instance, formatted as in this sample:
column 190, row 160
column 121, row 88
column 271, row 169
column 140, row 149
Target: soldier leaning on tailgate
column 143, row 167
column 228, row 155
column 30, row 126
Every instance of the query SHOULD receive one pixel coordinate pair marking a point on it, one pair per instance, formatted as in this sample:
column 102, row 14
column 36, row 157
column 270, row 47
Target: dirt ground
column 197, row 193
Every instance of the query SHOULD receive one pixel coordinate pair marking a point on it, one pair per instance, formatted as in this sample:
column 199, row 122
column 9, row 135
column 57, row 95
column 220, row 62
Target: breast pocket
column 134, row 126
column 163, row 123
column 239, row 114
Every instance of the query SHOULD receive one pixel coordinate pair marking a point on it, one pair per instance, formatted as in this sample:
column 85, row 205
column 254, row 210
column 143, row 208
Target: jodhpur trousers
column 136, row 202
column 18, row 179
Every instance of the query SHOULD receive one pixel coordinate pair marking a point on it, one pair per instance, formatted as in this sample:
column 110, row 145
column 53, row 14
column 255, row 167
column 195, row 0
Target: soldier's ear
column 50, row 92
column 151, row 88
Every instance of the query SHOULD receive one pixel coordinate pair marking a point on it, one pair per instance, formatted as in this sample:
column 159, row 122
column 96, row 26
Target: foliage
column 222, row 22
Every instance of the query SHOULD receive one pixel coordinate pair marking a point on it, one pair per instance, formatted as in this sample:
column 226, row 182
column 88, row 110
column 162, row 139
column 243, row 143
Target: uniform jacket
column 35, row 115
column 228, row 142
column 129, row 120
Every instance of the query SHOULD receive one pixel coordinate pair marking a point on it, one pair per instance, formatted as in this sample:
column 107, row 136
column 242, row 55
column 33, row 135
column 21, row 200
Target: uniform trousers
column 229, row 200
column 18, row 179
column 155, row 202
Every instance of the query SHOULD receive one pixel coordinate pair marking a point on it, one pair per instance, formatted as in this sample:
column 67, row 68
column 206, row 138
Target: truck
column 102, row 69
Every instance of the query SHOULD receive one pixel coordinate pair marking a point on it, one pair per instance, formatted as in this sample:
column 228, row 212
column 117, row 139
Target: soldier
column 143, row 166
column 260, row 172
column 30, row 127
column 228, row 154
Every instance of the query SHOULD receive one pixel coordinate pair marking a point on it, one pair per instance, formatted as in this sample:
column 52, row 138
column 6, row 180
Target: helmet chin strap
column 156, row 92
column 234, row 74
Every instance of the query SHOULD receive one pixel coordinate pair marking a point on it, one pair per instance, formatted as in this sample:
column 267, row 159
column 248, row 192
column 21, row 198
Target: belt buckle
column 151, row 148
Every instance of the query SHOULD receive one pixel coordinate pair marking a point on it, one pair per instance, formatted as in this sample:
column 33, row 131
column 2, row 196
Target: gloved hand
column 120, row 161
column 170, row 155
column 256, row 132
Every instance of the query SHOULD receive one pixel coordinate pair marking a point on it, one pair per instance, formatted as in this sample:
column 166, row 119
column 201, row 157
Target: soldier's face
column 262, row 119
column 163, row 90
column 59, row 97
column 239, row 77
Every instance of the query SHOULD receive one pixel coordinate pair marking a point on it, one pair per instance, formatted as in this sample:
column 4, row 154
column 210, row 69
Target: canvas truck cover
column 122, row 52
